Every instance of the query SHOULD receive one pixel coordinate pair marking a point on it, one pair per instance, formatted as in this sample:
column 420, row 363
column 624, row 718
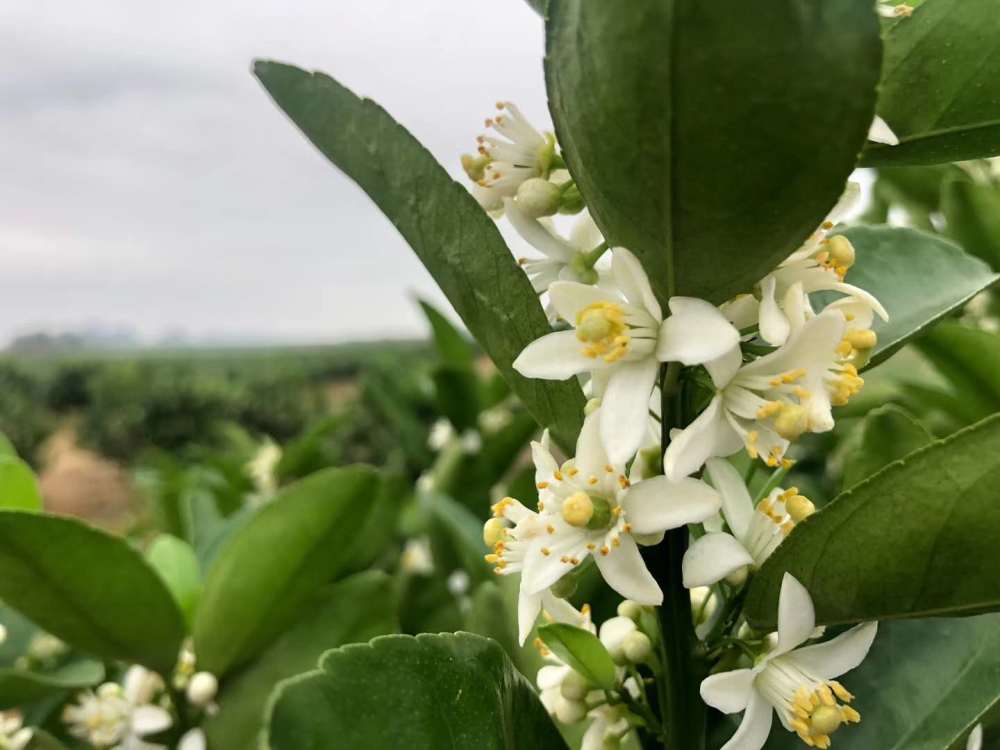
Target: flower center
column 603, row 330
column 837, row 255
column 818, row 714
column 586, row 511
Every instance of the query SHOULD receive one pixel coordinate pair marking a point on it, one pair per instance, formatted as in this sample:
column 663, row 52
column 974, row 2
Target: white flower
column 561, row 689
column 517, row 152
column 767, row 403
column 120, row 715
column 891, row 10
column 880, row 132
column 607, row 730
column 416, row 558
column 798, row 683
column 587, row 507
column 621, row 338
column 755, row 532
column 261, row 468
column 440, row 434
column 202, row 688
column 13, row 734
column 975, row 741
column 193, row 739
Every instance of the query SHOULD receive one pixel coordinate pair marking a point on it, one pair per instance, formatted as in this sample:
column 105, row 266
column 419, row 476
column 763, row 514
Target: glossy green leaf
column 355, row 610
column 274, row 562
column 970, row 360
column 939, row 85
column 452, row 346
column 918, row 277
column 887, row 434
column 711, row 138
column 582, row 650
column 176, row 562
column 432, row 692
column 18, row 485
column 89, row 588
column 456, row 537
column 919, row 538
column 972, row 213
column 6, row 447
column 19, row 687
column 456, row 394
column 457, row 242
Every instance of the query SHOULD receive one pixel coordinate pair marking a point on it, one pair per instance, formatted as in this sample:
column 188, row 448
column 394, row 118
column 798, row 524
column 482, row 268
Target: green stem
column 775, row 479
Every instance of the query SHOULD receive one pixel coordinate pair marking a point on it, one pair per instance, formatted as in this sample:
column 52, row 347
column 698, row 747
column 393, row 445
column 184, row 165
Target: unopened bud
column 570, row 712
column 574, row 687
column 799, row 507
column 630, row 609
column 738, row 577
column 571, row 201
column 841, row 250
column 494, row 530
column 791, row 421
column 537, row 197
column 637, row 647
column 863, row 338
column 202, row 688
column 578, row 509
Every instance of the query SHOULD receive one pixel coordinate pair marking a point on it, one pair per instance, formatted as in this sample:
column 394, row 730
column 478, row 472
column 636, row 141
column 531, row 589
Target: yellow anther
column 494, row 532
column 863, row 338
column 475, row 166
column 623, row 482
column 578, row 509
column 791, row 421
column 592, row 480
column 752, row 438
column 844, row 348
column 799, row 507
column 605, row 550
column 841, row 251
column 542, row 485
column 768, row 409
column 603, row 330
column 840, row 691
column 572, row 471
column 500, row 507
column 546, row 551
column 558, row 475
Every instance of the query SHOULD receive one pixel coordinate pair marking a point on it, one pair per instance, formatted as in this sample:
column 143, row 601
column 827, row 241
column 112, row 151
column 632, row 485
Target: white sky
column 147, row 180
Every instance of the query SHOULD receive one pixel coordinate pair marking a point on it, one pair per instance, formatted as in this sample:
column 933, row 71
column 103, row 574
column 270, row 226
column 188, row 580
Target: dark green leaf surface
column 970, row 360
column 973, row 215
column 433, row 692
column 887, row 434
column 177, row 564
column 89, row 588
column 918, row 278
column 939, row 89
column 919, row 538
column 711, row 138
column 20, row 687
column 274, row 563
column 581, row 650
column 18, row 486
column 355, row 610
column 457, row 242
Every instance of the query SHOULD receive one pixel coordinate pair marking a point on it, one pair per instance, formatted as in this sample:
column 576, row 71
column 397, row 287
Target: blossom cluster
column 770, row 366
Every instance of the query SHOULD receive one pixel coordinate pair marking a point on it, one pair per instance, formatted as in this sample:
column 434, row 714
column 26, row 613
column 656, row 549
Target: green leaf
column 887, row 434
column 970, row 360
column 456, row 394
column 973, row 215
column 19, row 687
column 452, row 346
column 457, row 242
column 694, row 142
column 42, row 740
column 456, row 537
column 18, row 485
column 88, row 588
column 275, row 561
column 581, row 650
column 177, row 564
column 917, row 539
column 6, row 447
column 938, row 90
column 918, row 277
column 456, row 691
column 355, row 610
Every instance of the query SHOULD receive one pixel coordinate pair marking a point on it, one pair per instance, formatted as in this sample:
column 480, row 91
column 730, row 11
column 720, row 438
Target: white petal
column 528, row 607
column 658, row 504
column 584, row 234
column 593, row 738
column 811, row 346
column 880, row 132
column 695, row 333
column 737, row 506
column 708, row 435
column 551, row 675
column 625, row 572
column 728, row 692
column 975, row 741
column 633, row 282
column 796, row 616
column 724, row 368
column 545, row 464
column 537, row 235
column 711, row 558
column 774, row 326
column 555, row 356
column 591, row 458
column 838, row 655
column 846, row 203
column 754, row 728
column 150, row 719
column 624, row 408
column 541, row 570
column 741, row 311
column 569, row 298
column 192, row 740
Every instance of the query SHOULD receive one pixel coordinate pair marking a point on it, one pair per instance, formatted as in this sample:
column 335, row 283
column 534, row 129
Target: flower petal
column 570, row 297
column 737, row 506
column 584, row 234
column 625, row 572
column 728, row 692
column 741, row 311
column 528, row 607
column 723, row 369
column 774, row 325
column 708, row 435
column 193, row 739
column 880, row 132
column 755, row 727
column 624, row 408
column 812, row 346
column 838, row 655
column 542, row 570
column 615, row 630
column 796, row 616
column 537, row 235
column 555, row 356
column 711, row 558
column 975, row 741
column 633, row 282
column 150, row 719
column 696, row 332
column 591, row 457
column 658, row 504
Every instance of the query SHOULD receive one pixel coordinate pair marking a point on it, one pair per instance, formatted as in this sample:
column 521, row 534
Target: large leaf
column 18, row 486
column 970, row 360
column 918, row 277
column 355, row 610
column 450, row 233
column 973, row 215
column 432, row 692
column 273, row 564
column 89, row 588
column 711, row 138
column 452, row 346
column 887, row 434
column 19, row 687
column 919, row 538
column 939, row 85
column 904, row 710
column 176, row 562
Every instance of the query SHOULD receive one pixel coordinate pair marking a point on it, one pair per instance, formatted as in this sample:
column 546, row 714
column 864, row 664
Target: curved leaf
column 939, row 85
column 887, row 434
column 453, row 237
column 89, row 588
column 973, row 215
column 970, row 360
column 178, row 566
column 276, row 560
column 18, row 485
column 919, row 538
column 19, row 687
column 452, row 346
column 706, row 150
column 457, row 691
column 582, row 650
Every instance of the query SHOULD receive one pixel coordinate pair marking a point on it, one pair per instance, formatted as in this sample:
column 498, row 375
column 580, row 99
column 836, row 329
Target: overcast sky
column 147, row 180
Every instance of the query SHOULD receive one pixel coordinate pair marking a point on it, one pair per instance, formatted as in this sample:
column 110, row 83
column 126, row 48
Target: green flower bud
column 637, row 647
column 537, row 197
